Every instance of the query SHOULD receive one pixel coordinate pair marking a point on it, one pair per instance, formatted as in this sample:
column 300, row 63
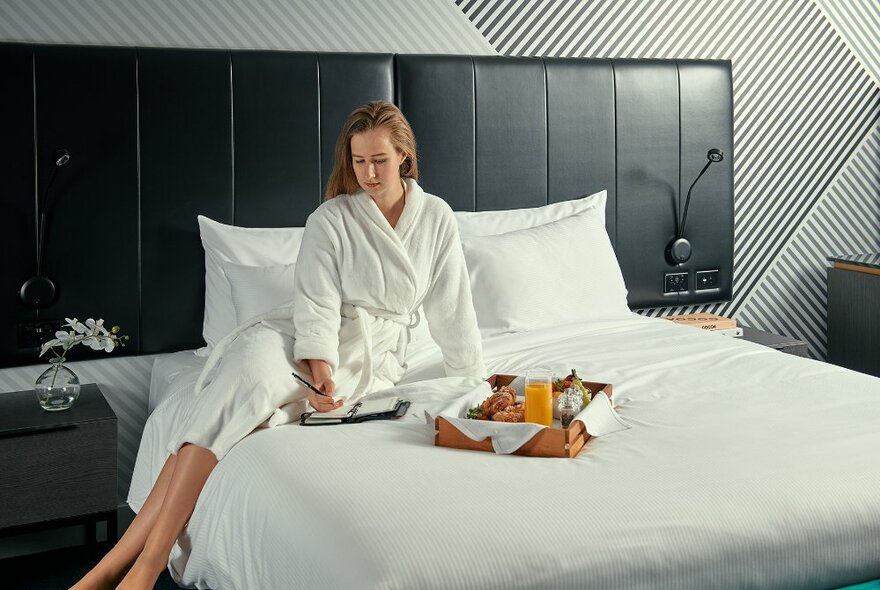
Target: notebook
column 362, row 411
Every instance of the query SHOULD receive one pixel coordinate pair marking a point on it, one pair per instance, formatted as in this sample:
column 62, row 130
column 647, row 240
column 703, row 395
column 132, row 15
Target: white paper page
column 377, row 405
column 366, row 407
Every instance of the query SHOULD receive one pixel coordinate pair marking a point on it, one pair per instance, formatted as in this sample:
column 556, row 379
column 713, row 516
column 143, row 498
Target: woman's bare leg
column 117, row 562
column 194, row 465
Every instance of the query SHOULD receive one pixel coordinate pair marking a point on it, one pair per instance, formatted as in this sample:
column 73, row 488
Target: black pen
column 309, row 385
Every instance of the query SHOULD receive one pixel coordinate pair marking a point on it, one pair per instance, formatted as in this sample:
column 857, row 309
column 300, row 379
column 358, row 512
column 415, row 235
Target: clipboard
column 362, row 411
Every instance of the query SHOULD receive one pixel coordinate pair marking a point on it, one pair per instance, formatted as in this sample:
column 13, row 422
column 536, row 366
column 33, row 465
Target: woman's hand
column 323, row 382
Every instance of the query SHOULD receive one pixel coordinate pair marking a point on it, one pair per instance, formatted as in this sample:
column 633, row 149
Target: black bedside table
column 853, row 313
column 783, row 343
column 59, row 468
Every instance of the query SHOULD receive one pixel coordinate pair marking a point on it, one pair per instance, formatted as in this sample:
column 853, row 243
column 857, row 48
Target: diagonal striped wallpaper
column 805, row 109
column 381, row 26
column 858, row 22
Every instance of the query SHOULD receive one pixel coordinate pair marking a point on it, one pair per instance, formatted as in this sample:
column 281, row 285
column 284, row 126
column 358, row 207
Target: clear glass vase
column 58, row 387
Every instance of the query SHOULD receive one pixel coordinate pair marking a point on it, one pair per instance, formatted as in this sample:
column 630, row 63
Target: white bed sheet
column 745, row 467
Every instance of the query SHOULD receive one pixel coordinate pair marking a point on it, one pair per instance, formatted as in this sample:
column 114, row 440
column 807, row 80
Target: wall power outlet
column 675, row 282
column 33, row 334
column 707, row 279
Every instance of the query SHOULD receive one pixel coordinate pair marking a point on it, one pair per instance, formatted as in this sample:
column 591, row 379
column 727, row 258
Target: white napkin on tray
column 598, row 417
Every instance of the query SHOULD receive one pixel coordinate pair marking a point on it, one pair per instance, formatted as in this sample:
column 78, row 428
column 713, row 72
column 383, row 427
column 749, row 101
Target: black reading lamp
column 39, row 291
column 679, row 249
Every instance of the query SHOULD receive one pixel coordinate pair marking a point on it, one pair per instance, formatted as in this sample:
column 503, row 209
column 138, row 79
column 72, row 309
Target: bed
column 744, row 467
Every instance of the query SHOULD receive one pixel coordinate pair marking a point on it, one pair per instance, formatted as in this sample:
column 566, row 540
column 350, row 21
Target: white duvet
column 744, row 467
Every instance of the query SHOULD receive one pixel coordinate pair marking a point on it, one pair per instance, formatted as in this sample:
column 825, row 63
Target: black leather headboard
column 158, row 136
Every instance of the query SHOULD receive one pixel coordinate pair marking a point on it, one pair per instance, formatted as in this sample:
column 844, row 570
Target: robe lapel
column 393, row 237
column 415, row 197
column 407, row 223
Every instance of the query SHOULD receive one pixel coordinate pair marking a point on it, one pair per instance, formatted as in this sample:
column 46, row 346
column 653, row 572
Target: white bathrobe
column 359, row 283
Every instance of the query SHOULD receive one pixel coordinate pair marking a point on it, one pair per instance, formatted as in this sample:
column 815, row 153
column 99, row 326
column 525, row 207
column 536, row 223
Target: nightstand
column 59, row 468
column 782, row 343
column 853, row 313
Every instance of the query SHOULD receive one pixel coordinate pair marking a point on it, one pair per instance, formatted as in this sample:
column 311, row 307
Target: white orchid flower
column 49, row 344
column 92, row 333
column 64, row 337
column 98, row 329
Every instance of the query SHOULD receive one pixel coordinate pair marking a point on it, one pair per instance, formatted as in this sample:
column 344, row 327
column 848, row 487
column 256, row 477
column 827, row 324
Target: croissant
column 501, row 401
column 513, row 413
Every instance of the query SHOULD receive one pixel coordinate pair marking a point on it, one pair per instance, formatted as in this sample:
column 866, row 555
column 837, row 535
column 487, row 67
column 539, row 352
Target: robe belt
column 353, row 312
column 362, row 316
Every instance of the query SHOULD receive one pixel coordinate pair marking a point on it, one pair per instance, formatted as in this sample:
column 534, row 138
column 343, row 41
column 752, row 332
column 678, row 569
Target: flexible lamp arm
column 687, row 201
column 41, row 231
column 39, row 291
column 678, row 251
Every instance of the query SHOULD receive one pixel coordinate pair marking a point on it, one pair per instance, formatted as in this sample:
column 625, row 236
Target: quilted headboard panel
column 158, row 136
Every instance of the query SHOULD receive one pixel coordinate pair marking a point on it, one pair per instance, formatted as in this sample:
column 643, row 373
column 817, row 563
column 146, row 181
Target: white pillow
column 241, row 245
column 544, row 276
column 492, row 223
column 258, row 289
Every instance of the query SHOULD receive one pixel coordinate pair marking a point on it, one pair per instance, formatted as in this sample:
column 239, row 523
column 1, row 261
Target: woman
column 373, row 253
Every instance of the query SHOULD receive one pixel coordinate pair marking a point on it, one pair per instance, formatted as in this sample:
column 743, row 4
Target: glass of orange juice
column 539, row 397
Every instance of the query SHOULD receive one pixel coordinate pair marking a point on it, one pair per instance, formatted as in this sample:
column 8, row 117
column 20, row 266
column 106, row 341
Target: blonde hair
column 378, row 114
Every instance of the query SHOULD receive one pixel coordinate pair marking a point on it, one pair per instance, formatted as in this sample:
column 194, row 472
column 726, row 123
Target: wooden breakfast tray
column 550, row 442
